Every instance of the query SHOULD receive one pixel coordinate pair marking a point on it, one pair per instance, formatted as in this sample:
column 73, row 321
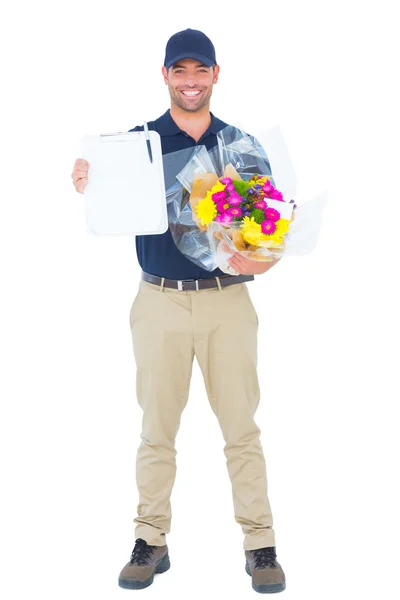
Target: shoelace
column 264, row 557
column 141, row 552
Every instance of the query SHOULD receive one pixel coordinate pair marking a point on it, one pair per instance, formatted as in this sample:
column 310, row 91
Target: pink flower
column 224, row 218
column 276, row 195
column 260, row 204
column 235, row 199
column 226, row 180
column 268, row 187
column 222, row 206
column 268, row 226
column 235, row 211
column 230, row 187
column 272, row 214
column 218, row 196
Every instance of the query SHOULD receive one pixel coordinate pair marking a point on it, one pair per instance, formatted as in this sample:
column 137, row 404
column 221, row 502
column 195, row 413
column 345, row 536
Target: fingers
column 80, row 174
column 235, row 264
column 81, row 162
column 80, row 185
column 81, row 168
column 225, row 248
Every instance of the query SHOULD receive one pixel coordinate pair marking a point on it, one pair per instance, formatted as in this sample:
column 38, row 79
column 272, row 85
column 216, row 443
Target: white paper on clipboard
column 125, row 193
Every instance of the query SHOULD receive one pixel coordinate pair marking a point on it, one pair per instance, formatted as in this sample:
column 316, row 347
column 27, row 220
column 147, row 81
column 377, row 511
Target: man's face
column 190, row 83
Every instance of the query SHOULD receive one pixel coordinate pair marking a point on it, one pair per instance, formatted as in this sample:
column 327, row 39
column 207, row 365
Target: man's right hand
column 80, row 174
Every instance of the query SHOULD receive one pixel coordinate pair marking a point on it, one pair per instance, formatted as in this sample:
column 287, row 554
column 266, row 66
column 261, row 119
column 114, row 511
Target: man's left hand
column 246, row 266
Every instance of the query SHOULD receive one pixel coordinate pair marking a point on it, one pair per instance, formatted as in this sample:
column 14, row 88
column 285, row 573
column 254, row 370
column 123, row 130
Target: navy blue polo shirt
column 157, row 254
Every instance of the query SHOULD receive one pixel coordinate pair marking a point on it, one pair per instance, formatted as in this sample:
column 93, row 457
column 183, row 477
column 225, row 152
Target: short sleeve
column 137, row 128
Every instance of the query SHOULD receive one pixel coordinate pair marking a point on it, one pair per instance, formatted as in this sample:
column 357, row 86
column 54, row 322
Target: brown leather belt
column 192, row 285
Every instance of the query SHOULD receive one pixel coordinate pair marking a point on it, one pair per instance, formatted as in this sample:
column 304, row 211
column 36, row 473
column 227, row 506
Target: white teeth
column 191, row 93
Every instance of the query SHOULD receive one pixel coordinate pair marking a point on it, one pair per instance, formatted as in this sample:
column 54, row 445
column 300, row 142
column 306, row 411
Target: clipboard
column 125, row 193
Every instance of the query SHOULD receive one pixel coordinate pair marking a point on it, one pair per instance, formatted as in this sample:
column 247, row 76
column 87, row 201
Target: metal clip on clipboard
column 103, row 137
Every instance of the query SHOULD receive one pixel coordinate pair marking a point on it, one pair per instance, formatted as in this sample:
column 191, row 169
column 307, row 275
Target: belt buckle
column 182, row 281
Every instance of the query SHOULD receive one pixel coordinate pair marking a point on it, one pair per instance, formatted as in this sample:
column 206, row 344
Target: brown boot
column 144, row 563
column 266, row 573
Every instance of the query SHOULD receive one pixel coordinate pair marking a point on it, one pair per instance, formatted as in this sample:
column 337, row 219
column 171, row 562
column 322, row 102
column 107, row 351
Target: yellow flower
column 218, row 187
column 206, row 210
column 251, row 231
column 282, row 227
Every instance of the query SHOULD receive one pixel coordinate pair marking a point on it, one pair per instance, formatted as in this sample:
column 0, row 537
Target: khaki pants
column 219, row 326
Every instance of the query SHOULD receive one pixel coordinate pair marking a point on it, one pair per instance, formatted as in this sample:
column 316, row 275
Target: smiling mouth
column 191, row 93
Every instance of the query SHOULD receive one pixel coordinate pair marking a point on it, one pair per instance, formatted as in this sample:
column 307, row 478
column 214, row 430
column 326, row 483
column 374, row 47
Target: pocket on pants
column 249, row 300
column 134, row 307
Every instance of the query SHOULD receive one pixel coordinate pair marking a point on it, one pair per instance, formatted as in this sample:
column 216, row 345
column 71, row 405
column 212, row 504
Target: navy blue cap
column 189, row 43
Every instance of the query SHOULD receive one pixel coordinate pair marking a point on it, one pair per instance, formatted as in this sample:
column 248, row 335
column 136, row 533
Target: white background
column 325, row 74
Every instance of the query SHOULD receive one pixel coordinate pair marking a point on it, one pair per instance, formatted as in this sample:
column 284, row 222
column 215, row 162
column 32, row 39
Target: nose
column 191, row 81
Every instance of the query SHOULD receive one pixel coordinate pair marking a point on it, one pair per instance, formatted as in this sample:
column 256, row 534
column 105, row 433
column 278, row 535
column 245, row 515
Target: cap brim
column 198, row 57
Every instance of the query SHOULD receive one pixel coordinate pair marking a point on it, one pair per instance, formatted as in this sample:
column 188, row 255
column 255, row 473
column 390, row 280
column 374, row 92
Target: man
column 182, row 310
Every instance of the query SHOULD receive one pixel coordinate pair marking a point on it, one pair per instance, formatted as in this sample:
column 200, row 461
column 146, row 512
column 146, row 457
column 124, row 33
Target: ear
column 216, row 73
column 165, row 74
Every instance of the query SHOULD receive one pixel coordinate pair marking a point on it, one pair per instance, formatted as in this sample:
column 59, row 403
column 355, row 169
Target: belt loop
column 162, row 283
column 219, row 284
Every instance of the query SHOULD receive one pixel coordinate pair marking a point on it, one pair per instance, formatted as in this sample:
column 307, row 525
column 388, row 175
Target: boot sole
column 135, row 584
column 266, row 589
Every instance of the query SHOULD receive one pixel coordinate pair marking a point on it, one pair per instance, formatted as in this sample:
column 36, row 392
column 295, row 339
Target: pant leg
column 225, row 337
column 163, row 348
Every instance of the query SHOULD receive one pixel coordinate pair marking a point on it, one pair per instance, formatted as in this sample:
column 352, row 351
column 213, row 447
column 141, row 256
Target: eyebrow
column 178, row 66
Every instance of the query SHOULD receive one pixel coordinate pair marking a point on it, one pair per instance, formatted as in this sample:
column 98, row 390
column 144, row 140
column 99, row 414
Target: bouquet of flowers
column 251, row 217
column 212, row 216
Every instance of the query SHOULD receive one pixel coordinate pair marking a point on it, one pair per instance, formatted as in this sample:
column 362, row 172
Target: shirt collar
column 167, row 126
